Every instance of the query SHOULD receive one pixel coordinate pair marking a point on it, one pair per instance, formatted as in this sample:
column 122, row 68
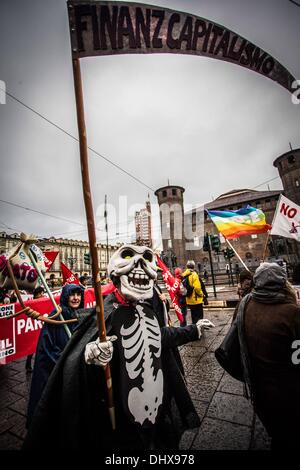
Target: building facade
column 250, row 248
column 288, row 166
column 143, row 226
column 170, row 200
column 70, row 252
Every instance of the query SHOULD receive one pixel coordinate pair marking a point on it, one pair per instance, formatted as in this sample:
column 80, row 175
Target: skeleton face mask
column 135, row 267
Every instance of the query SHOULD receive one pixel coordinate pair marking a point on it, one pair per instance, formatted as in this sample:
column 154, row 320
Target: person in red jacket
column 180, row 294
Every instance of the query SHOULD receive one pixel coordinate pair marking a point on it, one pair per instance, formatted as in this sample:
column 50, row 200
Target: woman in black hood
column 51, row 343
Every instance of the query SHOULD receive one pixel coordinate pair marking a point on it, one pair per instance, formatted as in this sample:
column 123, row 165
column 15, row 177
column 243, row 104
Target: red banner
column 49, row 258
column 19, row 336
column 67, row 275
column 172, row 285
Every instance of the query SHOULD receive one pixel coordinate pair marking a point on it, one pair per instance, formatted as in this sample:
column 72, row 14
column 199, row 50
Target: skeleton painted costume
column 153, row 406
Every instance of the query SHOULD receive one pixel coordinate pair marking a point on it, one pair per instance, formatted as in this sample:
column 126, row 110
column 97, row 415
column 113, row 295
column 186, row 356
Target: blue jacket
column 51, row 343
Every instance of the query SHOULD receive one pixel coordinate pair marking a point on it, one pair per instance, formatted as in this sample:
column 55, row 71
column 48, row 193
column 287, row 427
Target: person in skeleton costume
column 152, row 404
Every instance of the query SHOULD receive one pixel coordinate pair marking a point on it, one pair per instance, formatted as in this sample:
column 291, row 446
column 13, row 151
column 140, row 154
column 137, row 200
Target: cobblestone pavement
column 228, row 421
column 227, row 418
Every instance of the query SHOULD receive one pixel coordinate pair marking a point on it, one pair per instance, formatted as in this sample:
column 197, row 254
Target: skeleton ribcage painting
column 142, row 344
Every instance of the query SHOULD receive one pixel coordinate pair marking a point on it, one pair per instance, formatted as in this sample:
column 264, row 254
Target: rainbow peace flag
column 245, row 221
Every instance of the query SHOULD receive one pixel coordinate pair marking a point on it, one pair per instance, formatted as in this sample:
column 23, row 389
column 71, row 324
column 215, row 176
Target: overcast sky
column 204, row 124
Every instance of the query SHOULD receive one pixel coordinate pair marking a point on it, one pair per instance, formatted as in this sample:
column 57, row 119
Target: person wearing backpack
column 205, row 294
column 194, row 295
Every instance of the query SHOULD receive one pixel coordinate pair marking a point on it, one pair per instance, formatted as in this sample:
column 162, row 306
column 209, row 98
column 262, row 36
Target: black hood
column 67, row 290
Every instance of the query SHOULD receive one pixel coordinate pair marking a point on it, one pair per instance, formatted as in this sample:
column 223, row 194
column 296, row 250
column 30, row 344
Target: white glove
column 203, row 325
column 99, row 353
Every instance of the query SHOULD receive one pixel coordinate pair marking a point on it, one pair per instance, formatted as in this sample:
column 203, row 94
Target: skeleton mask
column 135, row 268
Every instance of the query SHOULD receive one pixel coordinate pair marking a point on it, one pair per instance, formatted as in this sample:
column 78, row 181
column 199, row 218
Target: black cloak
column 73, row 410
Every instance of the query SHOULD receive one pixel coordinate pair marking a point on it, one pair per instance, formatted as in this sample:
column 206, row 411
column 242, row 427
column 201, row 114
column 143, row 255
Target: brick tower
column 288, row 166
column 170, row 200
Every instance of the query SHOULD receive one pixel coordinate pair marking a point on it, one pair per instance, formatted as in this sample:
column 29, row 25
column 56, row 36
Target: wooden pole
column 106, row 229
column 87, row 196
column 265, row 247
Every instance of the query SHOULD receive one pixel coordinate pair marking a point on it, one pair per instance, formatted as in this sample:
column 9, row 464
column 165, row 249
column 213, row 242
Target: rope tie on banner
column 28, row 239
column 37, row 316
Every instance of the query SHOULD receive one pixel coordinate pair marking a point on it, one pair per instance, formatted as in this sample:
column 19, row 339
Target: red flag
column 49, row 258
column 172, row 285
column 68, row 276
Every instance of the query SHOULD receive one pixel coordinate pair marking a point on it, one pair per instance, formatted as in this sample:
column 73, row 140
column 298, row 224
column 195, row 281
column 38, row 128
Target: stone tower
column 170, row 200
column 288, row 166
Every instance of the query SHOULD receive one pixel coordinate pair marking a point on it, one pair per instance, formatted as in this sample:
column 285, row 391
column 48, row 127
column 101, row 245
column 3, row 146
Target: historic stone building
column 170, row 200
column 250, row 248
column 143, row 226
column 71, row 253
column 288, row 166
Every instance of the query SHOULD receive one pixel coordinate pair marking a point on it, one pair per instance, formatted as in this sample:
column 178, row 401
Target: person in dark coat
column 51, row 343
column 246, row 283
column 152, row 403
column 38, row 293
column 245, row 287
column 272, row 330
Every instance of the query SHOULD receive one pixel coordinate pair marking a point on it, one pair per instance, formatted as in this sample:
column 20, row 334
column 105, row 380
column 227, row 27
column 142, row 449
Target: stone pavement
column 227, row 418
column 228, row 421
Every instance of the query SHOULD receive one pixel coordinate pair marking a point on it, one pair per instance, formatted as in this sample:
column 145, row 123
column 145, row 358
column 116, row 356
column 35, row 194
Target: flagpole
column 228, row 242
column 266, row 246
column 87, row 196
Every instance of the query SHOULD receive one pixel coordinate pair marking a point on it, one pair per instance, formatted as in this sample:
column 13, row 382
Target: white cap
column 190, row 264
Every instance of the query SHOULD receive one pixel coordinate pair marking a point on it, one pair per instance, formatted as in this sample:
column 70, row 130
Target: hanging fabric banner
column 105, row 28
column 49, row 258
column 19, row 335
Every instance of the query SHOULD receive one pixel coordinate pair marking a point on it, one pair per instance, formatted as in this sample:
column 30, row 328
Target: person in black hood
column 152, row 404
column 51, row 343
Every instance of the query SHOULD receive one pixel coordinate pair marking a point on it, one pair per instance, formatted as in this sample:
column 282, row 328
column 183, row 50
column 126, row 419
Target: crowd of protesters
column 268, row 310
